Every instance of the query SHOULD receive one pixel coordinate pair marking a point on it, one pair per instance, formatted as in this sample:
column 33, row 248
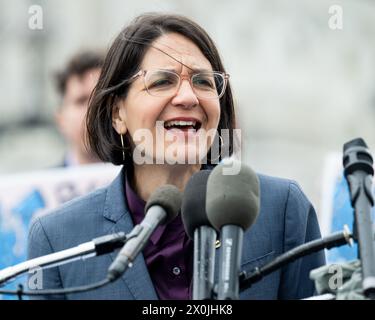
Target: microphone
column 198, row 227
column 232, row 205
column 95, row 247
column 358, row 171
column 162, row 207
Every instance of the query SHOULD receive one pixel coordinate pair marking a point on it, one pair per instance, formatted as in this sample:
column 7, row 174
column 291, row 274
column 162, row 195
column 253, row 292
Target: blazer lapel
column 136, row 278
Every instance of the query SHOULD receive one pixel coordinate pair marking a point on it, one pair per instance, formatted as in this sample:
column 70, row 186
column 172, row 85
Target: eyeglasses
column 166, row 83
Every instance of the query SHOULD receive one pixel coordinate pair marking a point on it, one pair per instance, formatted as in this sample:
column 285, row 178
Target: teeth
column 179, row 123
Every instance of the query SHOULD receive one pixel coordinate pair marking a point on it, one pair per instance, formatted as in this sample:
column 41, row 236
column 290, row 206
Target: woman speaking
column 162, row 92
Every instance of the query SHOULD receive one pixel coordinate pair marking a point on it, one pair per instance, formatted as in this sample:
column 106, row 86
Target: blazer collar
column 115, row 206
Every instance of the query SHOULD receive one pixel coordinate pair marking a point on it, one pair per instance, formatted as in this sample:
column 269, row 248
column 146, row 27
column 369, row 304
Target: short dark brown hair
column 78, row 65
column 123, row 61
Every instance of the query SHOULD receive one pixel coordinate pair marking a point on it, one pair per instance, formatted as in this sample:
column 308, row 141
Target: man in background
column 75, row 84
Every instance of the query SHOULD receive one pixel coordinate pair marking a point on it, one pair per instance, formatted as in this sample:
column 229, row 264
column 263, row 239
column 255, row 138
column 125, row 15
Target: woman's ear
column 119, row 118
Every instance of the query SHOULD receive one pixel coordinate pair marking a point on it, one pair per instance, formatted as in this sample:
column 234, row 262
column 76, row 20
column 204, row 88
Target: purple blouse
column 168, row 254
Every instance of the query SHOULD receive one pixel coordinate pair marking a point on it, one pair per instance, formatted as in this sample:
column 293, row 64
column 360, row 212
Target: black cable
column 335, row 240
column 103, row 245
column 20, row 291
column 84, row 288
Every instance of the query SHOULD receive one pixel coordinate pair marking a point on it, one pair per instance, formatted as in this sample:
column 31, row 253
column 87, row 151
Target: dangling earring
column 123, row 147
column 221, row 146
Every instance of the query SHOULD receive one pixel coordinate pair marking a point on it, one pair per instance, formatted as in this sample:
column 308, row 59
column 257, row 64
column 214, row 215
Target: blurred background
column 304, row 82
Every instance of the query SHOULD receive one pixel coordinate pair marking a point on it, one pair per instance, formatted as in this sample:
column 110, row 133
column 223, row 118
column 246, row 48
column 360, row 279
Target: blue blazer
column 286, row 219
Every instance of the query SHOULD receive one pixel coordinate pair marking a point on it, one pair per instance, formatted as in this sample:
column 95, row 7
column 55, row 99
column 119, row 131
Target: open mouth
column 182, row 125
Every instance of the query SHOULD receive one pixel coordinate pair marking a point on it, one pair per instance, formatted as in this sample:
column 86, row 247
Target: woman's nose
column 185, row 96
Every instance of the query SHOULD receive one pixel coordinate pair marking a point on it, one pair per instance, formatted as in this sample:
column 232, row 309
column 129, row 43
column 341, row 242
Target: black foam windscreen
column 232, row 199
column 358, row 142
column 193, row 209
column 169, row 198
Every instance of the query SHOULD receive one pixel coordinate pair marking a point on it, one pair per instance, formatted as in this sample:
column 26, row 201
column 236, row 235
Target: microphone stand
column 358, row 170
column 204, row 263
column 335, row 240
column 85, row 250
